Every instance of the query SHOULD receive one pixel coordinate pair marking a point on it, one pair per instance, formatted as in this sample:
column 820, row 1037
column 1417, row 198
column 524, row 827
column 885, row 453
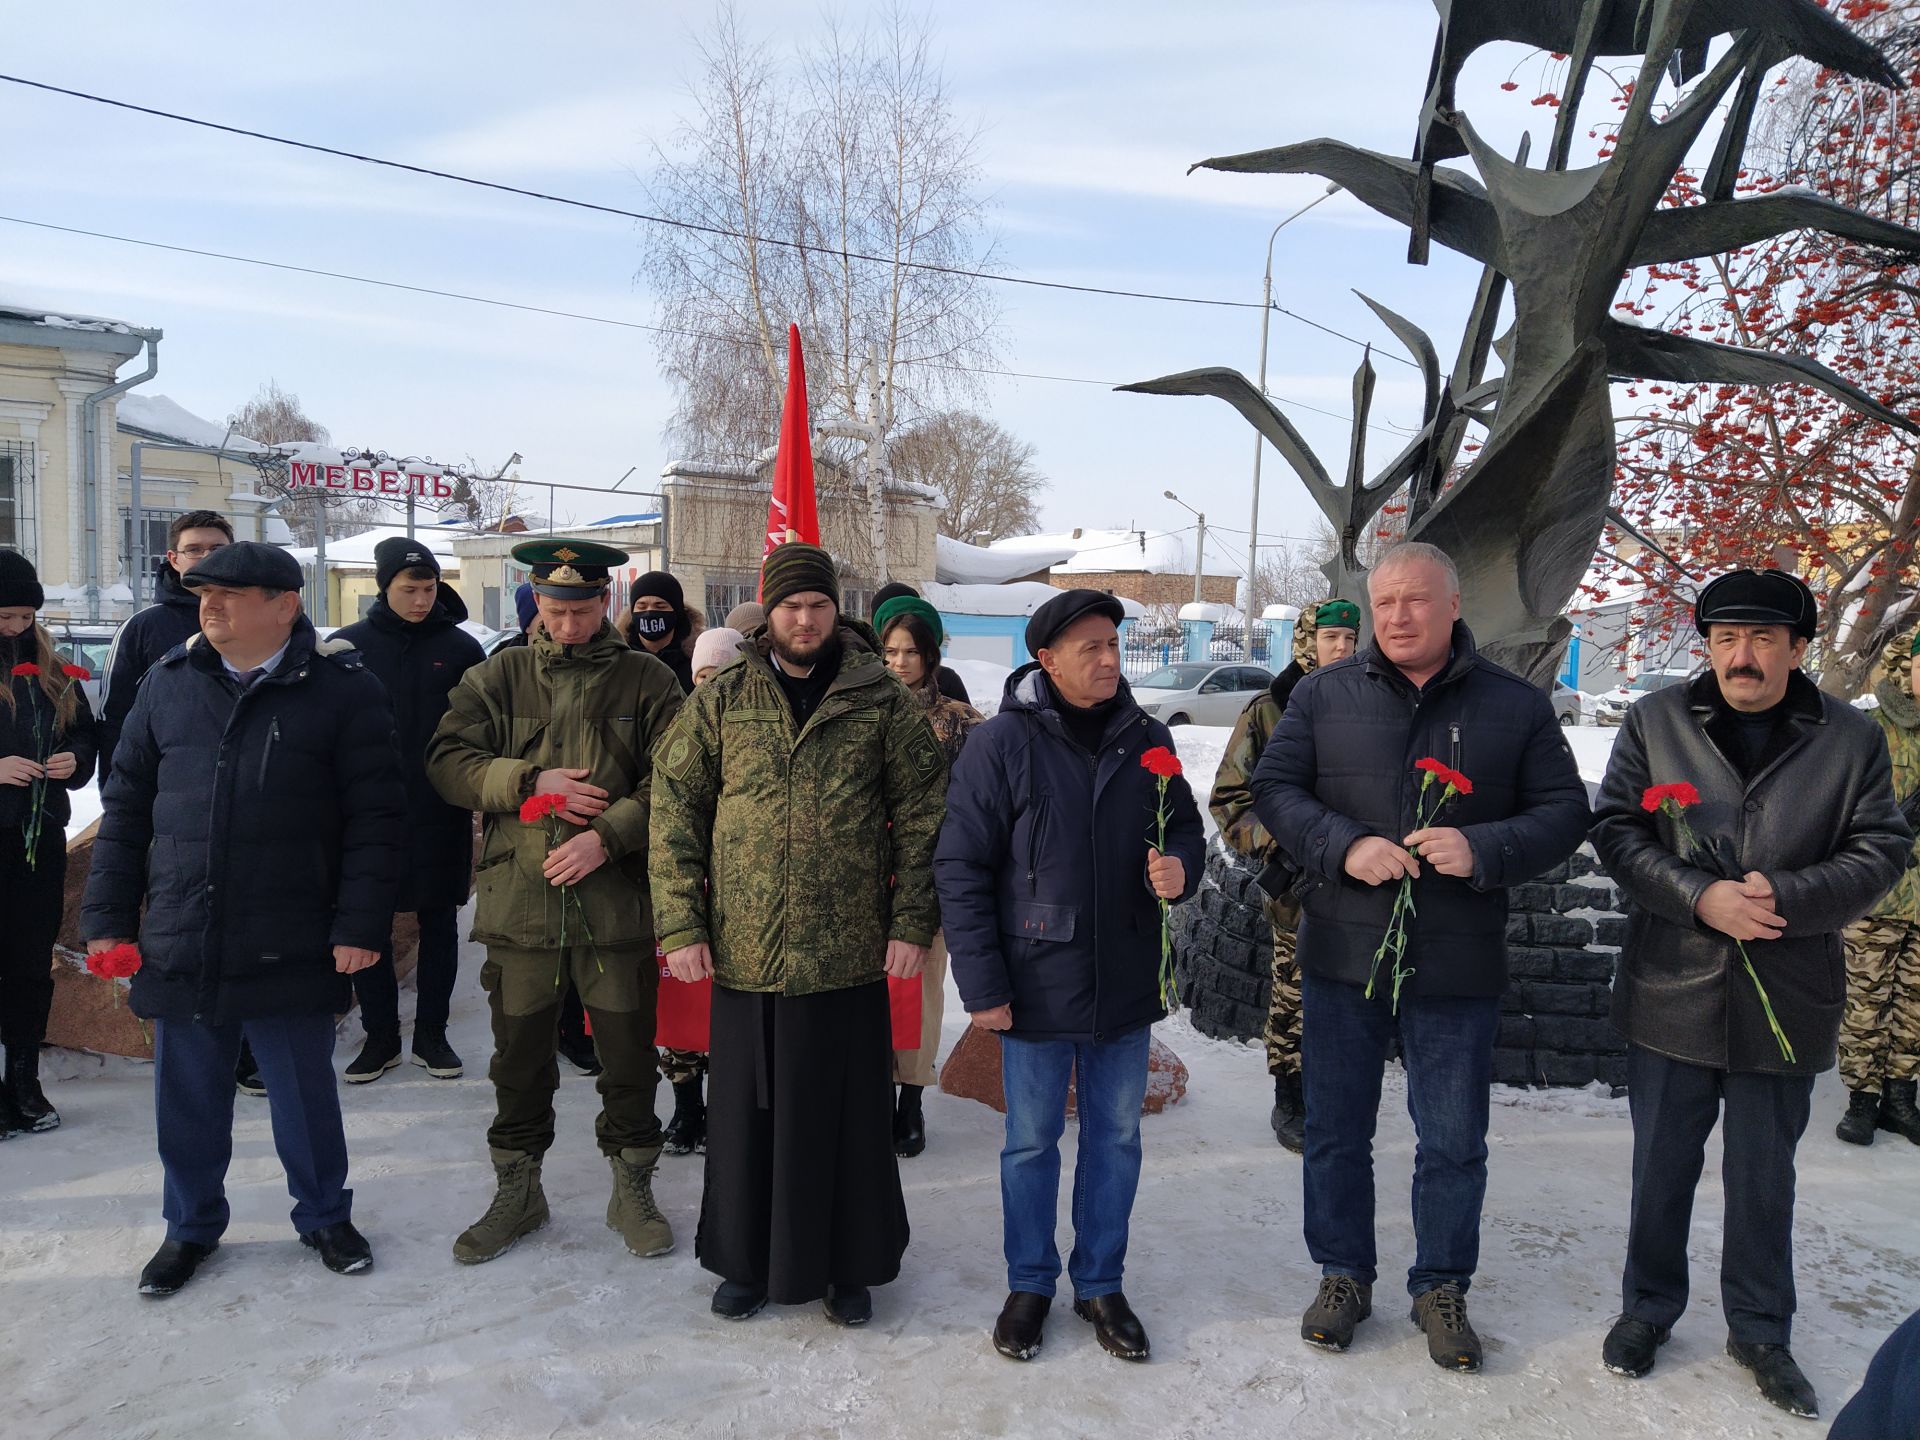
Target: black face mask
column 652, row 624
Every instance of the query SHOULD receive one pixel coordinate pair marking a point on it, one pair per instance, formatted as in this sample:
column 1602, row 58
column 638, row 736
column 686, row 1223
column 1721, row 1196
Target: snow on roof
column 357, row 550
column 650, row 518
column 1280, row 612
column 957, row 563
column 33, row 314
column 1022, row 597
column 167, row 419
column 1202, row 610
column 1090, row 552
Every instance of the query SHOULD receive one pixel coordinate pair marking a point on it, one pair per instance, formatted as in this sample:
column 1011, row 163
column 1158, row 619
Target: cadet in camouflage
column 1324, row 633
column 1880, row 1028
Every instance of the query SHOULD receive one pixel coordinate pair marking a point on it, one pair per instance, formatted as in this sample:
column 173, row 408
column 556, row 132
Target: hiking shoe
column 1856, row 1127
column 1442, row 1313
column 519, row 1208
column 736, row 1301
column 848, row 1304
column 1778, row 1377
column 1631, row 1346
column 379, row 1055
column 434, row 1055
column 631, row 1209
column 686, row 1132
column 1343, row 1302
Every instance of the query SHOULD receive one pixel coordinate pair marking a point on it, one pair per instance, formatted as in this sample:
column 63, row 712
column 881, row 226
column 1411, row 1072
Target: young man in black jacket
column 1343, row 790
column 251, row 842
column 411, row 641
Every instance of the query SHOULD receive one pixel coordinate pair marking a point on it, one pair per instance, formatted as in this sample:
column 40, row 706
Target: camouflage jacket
column 797, row 854
column 545, row 706
column 1232, row 799
column 951, row 719
column 1903, row 745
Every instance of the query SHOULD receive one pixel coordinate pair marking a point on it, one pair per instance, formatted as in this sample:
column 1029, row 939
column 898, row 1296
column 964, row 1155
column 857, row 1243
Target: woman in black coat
column 48, row 745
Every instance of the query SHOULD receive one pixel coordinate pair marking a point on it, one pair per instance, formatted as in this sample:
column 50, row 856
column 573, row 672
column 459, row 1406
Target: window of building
column 154, row 526
column 16, row 498
column 726, row 589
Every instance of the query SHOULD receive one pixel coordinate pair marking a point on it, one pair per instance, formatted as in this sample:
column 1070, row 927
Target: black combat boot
column 36, row 1112
column 1289, row 1118
column 1898, row 1112
column 1779, row 1378
column 687, row 1131
column 1856, row 1127
column 380, row 1054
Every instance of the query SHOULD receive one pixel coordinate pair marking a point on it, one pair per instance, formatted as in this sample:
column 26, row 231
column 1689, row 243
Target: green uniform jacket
column 1903, row 745
column 547, row 706
column 797, row 854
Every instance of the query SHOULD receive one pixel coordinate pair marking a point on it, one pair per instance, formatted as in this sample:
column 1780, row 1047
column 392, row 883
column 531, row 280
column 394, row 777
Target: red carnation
column 116, row 963
column 1162, row 762
column 76, row 672
column 536, row 808
column 26, row 667
column 1680, row 792
column 1445, row 774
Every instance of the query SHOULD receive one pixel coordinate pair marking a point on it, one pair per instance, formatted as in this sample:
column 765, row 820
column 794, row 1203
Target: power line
column 641, row 215
column 573, row 314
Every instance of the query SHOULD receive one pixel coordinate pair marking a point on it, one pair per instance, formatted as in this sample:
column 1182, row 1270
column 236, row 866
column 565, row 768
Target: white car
column 1612, row 704
column 1195, row 692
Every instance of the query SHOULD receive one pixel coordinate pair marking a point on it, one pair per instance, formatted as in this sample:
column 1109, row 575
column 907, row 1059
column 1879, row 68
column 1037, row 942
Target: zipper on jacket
column 266, row 753
column 1453, row 730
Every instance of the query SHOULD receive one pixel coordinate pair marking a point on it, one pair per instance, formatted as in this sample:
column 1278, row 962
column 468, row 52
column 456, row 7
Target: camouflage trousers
column 679, row 1065
column 1880, row 1033
column 1283, row 1005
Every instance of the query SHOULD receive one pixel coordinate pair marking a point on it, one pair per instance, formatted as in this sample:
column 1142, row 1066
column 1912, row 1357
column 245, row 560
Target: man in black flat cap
column 1795, row 834
column 412, row 642
column 257, row 812
column 1049, row 894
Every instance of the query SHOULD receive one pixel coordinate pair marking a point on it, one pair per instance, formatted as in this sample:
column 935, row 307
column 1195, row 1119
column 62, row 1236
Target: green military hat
column 1337, row 615
column 568, row 569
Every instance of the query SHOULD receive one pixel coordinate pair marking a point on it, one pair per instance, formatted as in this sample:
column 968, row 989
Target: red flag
column 792, row 515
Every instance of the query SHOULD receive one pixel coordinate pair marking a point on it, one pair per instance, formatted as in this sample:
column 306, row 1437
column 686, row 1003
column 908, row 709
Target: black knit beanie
column 397, row 553
column 19, row 582
column 660, row 585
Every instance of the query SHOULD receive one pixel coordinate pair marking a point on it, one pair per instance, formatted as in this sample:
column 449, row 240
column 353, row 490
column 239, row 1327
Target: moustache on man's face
column 1745, row 672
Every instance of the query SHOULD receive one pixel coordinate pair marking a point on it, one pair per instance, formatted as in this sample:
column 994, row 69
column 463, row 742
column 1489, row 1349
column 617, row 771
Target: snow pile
column 986, row 682
column 167, row 419
column 357, row 550
column 1022, row 597
column 958, row 563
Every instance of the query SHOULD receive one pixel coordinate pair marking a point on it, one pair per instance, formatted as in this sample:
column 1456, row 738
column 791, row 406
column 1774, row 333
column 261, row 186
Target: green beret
column 1337, row 615
column 900, row 605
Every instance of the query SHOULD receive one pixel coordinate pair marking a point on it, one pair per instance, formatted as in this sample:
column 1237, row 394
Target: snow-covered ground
column 567, row 1335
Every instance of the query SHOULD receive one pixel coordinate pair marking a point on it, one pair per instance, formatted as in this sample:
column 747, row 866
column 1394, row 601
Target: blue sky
column 1089, row 116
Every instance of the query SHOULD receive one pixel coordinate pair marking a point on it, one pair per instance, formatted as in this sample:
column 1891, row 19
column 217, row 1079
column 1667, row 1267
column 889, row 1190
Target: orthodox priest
column 795, row 804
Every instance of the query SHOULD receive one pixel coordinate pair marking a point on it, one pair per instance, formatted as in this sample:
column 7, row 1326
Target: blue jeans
column 193, row 1109
column 1111, row 1083
column 1447, row 1042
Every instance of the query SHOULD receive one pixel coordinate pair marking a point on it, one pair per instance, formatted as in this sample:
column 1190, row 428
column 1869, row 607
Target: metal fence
column 1147, row 650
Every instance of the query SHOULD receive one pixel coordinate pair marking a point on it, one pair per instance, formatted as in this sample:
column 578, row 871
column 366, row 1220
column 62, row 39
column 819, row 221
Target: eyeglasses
column 199, row 550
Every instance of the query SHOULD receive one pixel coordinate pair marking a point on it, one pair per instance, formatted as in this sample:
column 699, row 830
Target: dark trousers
column 193, row 1113
column 378, row 988
column 30, row 903
column 802, row 1188
column 1675, row 1107
column 1447, row 1045
column 523, row 998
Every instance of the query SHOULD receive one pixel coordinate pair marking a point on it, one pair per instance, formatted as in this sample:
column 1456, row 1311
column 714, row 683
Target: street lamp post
column 1199, row 543
column 1259, row 443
